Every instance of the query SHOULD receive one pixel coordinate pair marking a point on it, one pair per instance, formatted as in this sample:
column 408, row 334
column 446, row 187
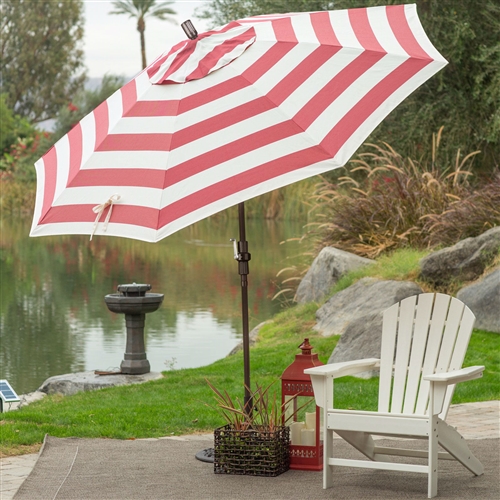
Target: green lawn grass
column 178, row 403
column 402, row 264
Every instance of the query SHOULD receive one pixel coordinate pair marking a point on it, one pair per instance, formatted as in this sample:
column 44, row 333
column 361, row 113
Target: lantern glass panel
column 303, row 419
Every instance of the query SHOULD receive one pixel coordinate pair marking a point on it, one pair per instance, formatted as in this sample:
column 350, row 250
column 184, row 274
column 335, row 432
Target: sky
column 112, row 42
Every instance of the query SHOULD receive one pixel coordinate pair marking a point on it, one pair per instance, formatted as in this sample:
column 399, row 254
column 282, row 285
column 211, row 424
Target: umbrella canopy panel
column 242, row 110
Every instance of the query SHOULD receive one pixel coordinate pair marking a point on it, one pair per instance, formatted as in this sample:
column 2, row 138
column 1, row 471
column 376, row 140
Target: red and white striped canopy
column 240, row 111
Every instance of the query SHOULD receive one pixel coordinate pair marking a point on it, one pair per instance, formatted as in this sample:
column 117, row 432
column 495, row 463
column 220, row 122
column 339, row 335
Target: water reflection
column 54, row 320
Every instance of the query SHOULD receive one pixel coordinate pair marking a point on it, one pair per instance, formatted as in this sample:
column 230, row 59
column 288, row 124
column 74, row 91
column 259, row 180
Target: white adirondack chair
column 424, row 340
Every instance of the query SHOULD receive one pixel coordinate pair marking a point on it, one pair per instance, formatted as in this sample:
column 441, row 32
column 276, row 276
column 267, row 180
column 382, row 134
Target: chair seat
column 384, row 424
column 372, row 413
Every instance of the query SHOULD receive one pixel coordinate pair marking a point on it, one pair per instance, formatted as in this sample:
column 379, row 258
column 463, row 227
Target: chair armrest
column 322, row 377
column 439, row 383
column 469, row 373
column 337, row 370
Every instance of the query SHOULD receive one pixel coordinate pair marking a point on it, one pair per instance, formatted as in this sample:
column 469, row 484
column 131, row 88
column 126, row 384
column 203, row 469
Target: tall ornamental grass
column 470, row 216
column 386, row 202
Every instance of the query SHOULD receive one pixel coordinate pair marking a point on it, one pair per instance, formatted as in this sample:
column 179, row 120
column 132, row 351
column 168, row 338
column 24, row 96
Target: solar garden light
column 306, row 448
column 7, row 394
column 133, row 301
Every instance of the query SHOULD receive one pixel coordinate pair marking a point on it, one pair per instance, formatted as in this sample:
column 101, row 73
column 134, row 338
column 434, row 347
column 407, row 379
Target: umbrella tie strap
column 99, row 210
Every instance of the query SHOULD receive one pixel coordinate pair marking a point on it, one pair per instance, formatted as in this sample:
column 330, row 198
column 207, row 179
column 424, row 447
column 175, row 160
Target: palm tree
column 140, row 9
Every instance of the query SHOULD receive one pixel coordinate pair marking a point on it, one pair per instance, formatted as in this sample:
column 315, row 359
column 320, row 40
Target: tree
column 42, row 56
column 223, row 11
column 140, row 9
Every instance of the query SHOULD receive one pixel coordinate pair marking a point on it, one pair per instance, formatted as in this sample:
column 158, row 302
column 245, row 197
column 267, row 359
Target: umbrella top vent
column 189, row 29
column 133, row 290
column 201, row 55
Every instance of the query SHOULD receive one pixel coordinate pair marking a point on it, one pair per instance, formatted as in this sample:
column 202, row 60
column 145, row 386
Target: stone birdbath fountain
column 134, row 301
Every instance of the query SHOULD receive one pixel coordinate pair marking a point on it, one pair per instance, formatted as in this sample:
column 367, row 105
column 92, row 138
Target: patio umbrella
column 229, row 115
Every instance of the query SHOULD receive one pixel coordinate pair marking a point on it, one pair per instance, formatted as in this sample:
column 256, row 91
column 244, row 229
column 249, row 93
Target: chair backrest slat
column 429, row 333
column 403, row 346
column 424, row 306
column 450, row 335
column 389, row 331
column 457, row 359
column 439, row 315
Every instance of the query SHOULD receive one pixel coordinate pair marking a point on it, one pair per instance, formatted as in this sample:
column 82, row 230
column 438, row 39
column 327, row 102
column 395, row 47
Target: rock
column 327, row 268
column 252, row 336
column 356, row 314
column 361, row 339
column 483, row 299
column 366, row 297
column 465, row 261
column 72, row 383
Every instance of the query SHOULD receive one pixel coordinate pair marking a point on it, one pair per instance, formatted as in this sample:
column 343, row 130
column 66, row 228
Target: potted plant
column 254, row 440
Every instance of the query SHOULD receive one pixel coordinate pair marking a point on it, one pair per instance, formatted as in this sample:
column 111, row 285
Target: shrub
column 17, row 172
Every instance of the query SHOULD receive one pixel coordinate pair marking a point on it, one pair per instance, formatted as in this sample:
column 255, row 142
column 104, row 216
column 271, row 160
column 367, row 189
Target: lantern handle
column 306, row 347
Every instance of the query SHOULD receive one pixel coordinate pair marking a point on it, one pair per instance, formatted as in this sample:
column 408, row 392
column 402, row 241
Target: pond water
column 53, row 319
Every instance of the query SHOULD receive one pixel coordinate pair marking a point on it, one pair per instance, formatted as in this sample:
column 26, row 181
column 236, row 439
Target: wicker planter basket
column 251, row 452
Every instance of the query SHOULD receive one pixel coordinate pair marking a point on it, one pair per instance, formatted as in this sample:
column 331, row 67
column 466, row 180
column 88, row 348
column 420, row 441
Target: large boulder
column 465, row 261
column 327, row 268
column 356, row 314
column 366, row 297
column 483, row 298
column 361, row 339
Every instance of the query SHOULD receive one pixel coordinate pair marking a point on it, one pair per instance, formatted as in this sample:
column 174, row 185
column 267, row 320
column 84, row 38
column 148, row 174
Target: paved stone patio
column 473, row 420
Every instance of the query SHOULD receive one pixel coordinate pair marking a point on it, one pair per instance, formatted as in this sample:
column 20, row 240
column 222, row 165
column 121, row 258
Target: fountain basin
column 134, row 301
column 122, row 304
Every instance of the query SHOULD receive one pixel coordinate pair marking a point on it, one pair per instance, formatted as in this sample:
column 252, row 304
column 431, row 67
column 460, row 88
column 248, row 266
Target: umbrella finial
column 189, row 29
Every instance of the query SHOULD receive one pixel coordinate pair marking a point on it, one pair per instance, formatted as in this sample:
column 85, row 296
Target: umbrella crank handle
column 235, row 249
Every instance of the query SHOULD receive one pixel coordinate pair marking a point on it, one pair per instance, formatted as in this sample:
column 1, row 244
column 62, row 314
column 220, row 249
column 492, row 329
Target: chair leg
column 433, row 458
column 327, row 453
column 362, row 441
column 455, row 445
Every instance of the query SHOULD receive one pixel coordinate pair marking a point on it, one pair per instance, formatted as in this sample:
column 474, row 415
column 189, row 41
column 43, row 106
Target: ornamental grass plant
column 470, row 216
column 386, row 202
column 255, row 440
column 265, row 414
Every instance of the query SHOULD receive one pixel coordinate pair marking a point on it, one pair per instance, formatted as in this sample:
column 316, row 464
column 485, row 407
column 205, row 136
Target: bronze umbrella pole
column 242, row 255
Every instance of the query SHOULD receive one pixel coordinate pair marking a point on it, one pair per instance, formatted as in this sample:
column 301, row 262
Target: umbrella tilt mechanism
column 242, row 256
column 240, row 247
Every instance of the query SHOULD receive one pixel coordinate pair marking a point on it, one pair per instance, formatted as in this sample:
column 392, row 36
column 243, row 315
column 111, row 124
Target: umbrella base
column 206, row 455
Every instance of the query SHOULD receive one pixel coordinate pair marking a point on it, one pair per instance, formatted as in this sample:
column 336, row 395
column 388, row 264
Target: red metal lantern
column 306, row 449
